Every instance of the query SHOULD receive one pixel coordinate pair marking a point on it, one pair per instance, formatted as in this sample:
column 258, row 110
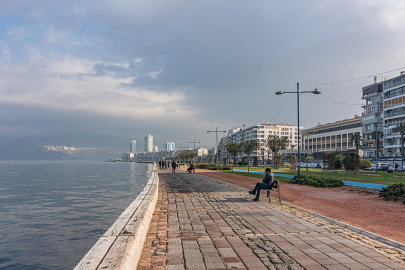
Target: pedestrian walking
column 174, row 165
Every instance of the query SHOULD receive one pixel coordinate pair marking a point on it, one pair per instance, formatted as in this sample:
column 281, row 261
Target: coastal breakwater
column 121, row 246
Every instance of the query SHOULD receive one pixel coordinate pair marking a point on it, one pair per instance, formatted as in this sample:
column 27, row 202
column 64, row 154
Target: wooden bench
column 276, row 186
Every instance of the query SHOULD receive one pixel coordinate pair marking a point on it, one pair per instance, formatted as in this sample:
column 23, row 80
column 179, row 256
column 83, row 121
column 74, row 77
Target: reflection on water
column 52, row 213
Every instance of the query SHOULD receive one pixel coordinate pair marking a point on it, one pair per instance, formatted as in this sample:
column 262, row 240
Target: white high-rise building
column 148, row 143
column 170, row 146
column 155, row 149
column 132, row 146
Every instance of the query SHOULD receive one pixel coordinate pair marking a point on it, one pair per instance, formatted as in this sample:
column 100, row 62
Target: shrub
column 317, row 181
column 210, row 166
column 365, row 163
column 395, row 192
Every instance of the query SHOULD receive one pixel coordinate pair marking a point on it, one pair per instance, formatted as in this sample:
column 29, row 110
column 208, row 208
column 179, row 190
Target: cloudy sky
column 176, row 69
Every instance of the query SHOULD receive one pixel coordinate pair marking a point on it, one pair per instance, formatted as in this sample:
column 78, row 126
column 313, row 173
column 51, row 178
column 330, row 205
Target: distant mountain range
column 32, row 149
column 87, row 139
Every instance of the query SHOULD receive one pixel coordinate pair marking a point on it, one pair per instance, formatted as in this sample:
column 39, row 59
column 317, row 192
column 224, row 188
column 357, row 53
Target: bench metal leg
column 268, row 195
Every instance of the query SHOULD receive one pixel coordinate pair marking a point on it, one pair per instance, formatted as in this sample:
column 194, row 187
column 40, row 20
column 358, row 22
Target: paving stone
column 204, row 223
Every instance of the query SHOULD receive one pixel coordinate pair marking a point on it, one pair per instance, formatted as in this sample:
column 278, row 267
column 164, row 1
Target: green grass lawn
column 367, row 176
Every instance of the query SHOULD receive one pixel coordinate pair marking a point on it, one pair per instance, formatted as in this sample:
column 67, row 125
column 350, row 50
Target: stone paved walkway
column 211, row 225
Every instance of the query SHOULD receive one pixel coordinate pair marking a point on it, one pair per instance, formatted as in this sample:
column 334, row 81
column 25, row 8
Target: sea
column 53, row 212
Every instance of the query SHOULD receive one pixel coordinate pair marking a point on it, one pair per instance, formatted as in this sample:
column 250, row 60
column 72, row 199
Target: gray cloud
column 175, row 69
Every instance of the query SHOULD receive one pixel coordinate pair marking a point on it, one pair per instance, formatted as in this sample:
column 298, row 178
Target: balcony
column 372, row 121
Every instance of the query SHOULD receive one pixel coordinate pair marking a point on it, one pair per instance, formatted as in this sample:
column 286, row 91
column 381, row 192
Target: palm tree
column 248, row 147
column 401, row 129
column 356, row 138
column 275, row 144
column 377, row 136
column 234, row 149
column 263, row 152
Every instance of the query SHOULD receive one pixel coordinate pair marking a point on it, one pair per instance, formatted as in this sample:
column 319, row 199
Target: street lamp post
column 194, row 148
column 216, row 141
column 298, row 116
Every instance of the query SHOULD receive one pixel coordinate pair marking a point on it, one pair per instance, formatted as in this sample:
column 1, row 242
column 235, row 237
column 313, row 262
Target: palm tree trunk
column 402, row 150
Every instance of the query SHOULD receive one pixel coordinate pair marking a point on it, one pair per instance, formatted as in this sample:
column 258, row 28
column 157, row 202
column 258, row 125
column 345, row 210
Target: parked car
column 383, row 166
column 392, row 168
column 372, row 168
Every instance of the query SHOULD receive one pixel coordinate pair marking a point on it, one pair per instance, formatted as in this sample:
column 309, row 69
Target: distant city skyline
column 131, row 68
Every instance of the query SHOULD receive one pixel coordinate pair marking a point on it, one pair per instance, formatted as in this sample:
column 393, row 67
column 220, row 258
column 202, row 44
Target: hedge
column 210, row 166
column 317, row 181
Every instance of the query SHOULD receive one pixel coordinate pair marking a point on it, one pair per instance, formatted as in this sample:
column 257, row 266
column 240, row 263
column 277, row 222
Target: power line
column 292, row 96
column 353, row 104
column 355, row 79
column 274, row 107
column 357, row 85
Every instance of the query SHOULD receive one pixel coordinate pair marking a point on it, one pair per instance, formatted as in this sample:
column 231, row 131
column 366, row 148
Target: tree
column 352, row 162
column 329, row 159
column 356, row 138
column 401, row 129
column 377, row 136
column 275, row 144
column 234, row 149
column 248, row 147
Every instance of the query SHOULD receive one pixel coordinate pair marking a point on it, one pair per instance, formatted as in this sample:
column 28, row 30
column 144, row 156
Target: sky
column 176, row 69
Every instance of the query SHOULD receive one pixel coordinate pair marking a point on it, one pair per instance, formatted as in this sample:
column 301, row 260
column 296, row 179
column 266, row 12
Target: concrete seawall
column 121, row 246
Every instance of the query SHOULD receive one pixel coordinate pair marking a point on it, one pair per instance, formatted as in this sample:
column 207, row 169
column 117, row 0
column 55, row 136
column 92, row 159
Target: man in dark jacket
column 174, row 166
column 267, row 183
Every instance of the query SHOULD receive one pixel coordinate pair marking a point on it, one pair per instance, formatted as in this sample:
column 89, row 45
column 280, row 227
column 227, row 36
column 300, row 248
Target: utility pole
column 216, row 145
column 194, row 148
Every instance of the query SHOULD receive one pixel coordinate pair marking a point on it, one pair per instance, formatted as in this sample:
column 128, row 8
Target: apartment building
column 384, row 109
column 332, row 136
column 394, row 113
column 372, row 117
column 259, row 133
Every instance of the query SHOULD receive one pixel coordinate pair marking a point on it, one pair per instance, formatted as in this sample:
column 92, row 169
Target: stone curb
column 121, row 246
column 373, row 236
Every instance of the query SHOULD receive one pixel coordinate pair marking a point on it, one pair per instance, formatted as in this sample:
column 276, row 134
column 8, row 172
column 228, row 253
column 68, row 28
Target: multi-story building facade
column 132, row 146
column 148, row 143
column 202, row 152
column 332, row 136
column 170, row 146
column 394, row 113
column 384, row 109
column 259, row 133
column 372, row 117
column 155, row 149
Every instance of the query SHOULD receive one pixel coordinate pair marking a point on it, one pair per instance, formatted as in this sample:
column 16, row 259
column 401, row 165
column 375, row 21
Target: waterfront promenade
column 205, row 223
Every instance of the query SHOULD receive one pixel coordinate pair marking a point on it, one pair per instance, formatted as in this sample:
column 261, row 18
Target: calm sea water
column 52, row 213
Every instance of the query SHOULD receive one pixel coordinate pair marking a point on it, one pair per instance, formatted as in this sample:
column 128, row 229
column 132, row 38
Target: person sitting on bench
column 191, row 168
column 267, row 183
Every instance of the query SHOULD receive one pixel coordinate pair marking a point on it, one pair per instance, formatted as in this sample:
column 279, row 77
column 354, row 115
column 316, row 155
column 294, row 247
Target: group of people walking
column 163, row 165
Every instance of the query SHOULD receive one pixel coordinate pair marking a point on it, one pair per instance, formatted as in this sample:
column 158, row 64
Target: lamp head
column 279, row 93
column 208, row 132
column 316, row 92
